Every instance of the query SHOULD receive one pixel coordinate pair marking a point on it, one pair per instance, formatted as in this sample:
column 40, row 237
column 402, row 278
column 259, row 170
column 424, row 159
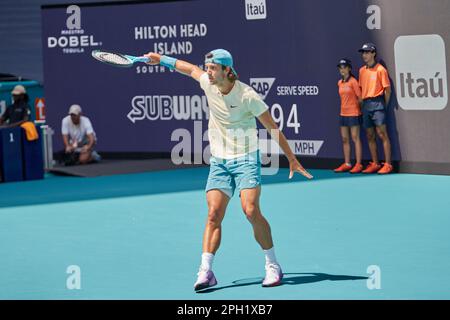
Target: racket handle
column 142, row 59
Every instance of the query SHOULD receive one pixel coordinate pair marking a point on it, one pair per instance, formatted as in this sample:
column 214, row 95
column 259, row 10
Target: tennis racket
column 117, row 59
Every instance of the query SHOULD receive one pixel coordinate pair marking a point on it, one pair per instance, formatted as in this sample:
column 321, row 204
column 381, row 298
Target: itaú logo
column 255, row 9
column 421, row 72
column 73, row 39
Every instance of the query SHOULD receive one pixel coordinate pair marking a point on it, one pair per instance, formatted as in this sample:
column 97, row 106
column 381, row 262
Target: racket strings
column 113, row 58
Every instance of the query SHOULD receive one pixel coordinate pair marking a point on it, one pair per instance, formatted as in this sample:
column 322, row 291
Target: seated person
column 79, row 138
column 19, row 112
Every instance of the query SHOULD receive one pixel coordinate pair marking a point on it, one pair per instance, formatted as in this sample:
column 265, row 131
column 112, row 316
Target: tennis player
column 235, row 162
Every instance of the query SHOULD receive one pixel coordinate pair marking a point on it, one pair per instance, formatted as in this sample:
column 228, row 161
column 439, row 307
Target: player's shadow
column 289, row 279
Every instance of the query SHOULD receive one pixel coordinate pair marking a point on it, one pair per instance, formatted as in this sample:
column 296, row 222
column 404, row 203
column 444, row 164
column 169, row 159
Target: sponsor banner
column 286, row 51
column 72, row 38
column 255, row 9
column 421, row 72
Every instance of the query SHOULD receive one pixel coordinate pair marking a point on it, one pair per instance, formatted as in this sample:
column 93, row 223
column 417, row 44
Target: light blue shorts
column 227, row 175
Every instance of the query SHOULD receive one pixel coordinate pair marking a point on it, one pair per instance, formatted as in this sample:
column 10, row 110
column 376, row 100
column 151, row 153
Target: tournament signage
column 286, row 50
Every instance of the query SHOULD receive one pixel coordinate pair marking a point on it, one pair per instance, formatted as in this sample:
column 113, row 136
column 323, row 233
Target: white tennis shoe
column 206, row 279
column 274, row 275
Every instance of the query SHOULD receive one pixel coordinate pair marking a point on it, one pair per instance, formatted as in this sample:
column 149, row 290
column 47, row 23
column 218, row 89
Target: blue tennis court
column 138, row 236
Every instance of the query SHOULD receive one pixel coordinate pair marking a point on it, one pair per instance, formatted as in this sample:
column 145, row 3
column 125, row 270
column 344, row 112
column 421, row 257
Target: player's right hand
column 154, row 58
column 295, row 166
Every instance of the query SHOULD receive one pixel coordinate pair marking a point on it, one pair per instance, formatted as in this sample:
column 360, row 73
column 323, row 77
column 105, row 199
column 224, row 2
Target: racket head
column 112, row 58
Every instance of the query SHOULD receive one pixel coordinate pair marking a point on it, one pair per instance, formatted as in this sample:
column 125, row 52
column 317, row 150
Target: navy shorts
column 374, row 112
column 350, row 121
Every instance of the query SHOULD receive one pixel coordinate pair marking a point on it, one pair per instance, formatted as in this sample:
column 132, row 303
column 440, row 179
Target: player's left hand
column 295, row 166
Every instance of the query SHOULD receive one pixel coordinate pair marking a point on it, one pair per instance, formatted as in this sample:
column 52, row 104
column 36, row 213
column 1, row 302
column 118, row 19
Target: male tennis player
column 235, row 162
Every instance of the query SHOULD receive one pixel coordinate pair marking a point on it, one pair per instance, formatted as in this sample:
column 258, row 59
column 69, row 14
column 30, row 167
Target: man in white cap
column 19, row 112
column 79, row 136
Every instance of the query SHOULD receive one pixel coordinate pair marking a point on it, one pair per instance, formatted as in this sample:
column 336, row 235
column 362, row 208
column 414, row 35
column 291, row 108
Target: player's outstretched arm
column 181, row 66
column 294, row 165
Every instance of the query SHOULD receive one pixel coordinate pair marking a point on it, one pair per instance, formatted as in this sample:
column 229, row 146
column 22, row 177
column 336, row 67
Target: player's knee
column 355, row 137
column 251, row 211
column 214, row 216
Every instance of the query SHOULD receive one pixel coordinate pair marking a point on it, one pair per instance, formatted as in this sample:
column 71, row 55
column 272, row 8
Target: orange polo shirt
column 373, row 81
column 349, row 92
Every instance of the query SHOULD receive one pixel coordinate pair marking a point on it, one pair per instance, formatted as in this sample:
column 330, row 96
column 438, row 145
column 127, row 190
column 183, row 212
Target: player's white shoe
column 274, row 275
column 205, row 279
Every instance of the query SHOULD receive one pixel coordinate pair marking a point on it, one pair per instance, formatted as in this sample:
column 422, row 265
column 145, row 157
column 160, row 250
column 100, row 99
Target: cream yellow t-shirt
column 232, row 129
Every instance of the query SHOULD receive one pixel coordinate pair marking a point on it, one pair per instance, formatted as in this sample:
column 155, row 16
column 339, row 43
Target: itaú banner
column 286, row 51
